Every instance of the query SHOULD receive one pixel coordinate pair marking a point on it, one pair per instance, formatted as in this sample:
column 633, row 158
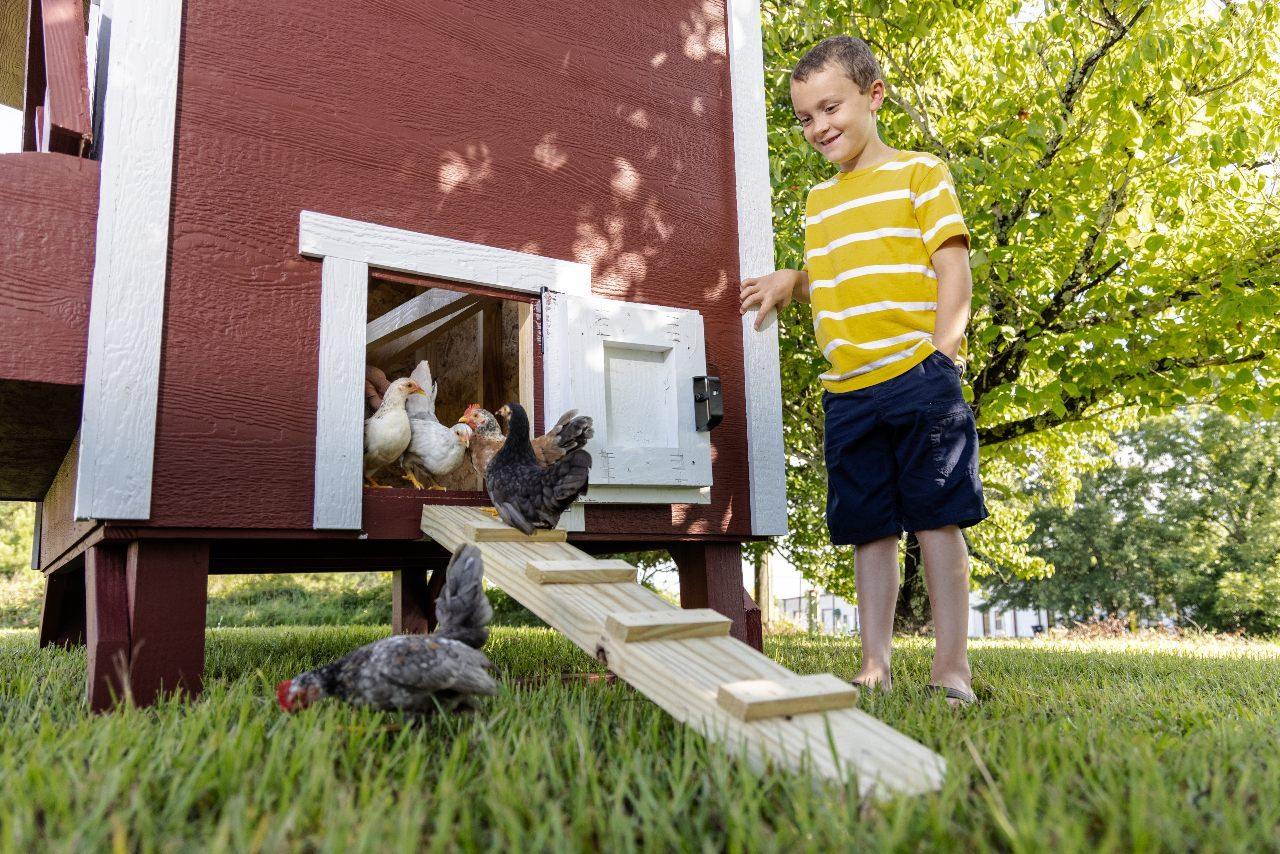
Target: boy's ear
column 877, row 94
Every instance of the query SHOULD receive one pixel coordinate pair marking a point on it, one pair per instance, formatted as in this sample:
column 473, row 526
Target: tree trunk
column 912, row 611
column 764, row 587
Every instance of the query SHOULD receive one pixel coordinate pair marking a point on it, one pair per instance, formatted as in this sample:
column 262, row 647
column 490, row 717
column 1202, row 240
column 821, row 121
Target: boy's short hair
column 850, row 55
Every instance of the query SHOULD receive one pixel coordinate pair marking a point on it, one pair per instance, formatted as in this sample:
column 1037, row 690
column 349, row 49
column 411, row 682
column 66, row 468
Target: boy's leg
column 876, row 576
column 946, row 572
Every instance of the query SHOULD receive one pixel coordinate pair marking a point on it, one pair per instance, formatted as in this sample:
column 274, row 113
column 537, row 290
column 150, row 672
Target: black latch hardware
column 708, row 403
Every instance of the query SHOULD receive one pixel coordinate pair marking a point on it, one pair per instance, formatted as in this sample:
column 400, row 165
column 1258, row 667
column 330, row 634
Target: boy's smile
column 837, row 118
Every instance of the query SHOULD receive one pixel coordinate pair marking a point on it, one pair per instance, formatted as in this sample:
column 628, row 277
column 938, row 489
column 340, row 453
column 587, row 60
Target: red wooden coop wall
column 596, row 135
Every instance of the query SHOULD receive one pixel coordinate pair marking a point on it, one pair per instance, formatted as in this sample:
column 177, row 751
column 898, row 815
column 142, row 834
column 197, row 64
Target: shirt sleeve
column 809, row 236
column 937, row 208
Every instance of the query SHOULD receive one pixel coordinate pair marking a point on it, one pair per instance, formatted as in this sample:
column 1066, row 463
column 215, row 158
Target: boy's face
column 838, row 119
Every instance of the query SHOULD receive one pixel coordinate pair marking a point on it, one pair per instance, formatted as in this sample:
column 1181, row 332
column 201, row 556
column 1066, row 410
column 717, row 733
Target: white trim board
column 401, row 251
column 765, row 453
column 348, row 248
column 122, row 367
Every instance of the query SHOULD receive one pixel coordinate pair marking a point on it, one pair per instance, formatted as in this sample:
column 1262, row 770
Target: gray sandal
column 964, row 697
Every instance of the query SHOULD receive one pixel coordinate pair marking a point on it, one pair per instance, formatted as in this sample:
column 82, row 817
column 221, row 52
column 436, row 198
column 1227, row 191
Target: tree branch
column 1077, row 407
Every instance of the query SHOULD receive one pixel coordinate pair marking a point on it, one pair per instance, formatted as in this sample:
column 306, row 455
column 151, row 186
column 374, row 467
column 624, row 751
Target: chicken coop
column 226, row 211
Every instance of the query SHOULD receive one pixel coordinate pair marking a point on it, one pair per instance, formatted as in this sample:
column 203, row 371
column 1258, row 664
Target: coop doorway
column 477, row 341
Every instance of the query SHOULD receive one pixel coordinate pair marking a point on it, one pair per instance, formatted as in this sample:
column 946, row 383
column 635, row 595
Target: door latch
column 708, row 403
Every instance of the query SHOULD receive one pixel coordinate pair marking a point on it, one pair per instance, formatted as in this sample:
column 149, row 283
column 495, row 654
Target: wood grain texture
column 755, row 258
column 580, row 571
column 684, row 676
column 711, row 577
column 106, row 626
column 59, row 530
column 667, row 624
column 66, row 73
column 405, row 251
column 339, row 445
column 48, row 209
column 167, row 583
column 604, row 146
column 117, row 436
column 13, row 35
column 756, row 699
column 414, row 314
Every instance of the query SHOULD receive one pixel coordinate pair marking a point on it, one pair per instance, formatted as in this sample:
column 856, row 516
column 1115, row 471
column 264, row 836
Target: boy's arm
column 775, row 290
column 955, row 292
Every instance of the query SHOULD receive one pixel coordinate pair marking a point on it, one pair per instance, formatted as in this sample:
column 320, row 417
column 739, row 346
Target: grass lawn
column 1105, row 744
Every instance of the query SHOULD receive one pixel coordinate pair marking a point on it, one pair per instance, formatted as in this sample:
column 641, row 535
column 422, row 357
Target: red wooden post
column 63, row 616
column 413, row 599
column 106, row 625
column 168, row 583
column 711, row 577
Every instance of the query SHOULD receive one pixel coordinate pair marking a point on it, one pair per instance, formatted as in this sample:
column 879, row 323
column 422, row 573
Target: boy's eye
column 829, row 108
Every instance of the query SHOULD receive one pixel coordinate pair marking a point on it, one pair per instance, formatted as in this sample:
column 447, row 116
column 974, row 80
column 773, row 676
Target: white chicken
column 387, row 432
column 434, row 450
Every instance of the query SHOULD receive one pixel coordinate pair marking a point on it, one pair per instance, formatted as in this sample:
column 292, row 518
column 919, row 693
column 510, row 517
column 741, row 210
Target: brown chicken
column 571, row 432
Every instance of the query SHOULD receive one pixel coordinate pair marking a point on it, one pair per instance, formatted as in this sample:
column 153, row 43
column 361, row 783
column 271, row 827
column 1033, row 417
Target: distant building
column 829, row 614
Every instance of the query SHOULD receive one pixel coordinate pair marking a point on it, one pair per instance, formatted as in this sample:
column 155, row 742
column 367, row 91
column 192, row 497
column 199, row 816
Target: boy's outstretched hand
column 775, row 290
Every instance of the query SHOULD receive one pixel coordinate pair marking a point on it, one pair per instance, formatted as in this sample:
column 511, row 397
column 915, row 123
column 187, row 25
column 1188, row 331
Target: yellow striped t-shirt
column 869, row 238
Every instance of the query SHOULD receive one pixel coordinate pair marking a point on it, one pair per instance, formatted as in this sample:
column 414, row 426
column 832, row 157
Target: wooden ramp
column 685, row 661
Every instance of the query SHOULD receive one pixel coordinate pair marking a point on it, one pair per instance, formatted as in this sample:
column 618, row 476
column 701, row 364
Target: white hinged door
column 630, row 367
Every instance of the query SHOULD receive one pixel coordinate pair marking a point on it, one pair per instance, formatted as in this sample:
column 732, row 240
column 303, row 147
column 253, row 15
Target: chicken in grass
column 570, row 433
column 434, row 450
column 387, row 432
column 526, row 495
column 444, row 670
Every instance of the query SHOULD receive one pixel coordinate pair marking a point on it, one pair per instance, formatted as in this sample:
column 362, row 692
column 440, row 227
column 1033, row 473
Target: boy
column 887, row 273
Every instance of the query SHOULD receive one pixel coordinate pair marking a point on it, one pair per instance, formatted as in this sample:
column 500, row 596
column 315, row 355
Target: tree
column 1115, row 161
column 1184, row 522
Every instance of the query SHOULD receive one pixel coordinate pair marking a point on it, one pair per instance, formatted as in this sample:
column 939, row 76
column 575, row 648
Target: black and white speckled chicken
column 444, row 670
column 526, row 495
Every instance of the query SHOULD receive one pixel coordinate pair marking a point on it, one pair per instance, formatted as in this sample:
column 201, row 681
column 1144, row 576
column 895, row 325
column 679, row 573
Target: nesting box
column 228, row 209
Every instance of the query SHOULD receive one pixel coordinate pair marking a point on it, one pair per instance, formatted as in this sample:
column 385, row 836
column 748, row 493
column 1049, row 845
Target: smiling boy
column 887, row 273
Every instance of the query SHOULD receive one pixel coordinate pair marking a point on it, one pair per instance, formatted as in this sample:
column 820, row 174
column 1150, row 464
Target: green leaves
column 1125, row 257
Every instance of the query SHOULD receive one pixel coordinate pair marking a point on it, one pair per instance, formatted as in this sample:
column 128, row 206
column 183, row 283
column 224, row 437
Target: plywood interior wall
column 457, row 359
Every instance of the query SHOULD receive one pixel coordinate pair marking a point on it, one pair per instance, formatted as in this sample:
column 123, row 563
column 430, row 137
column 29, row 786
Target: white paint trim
column 755, row 257
column 321, row 235
column 122, row 370
column 339, row 472
column 348, row 249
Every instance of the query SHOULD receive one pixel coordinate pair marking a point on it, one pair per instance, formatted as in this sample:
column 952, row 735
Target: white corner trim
column 348, row 248
column 766, row 461
column 321, row 235
column 122, row 369
column 339, row 473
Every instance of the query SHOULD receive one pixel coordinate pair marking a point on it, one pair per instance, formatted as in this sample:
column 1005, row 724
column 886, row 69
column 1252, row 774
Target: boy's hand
column 765, row 293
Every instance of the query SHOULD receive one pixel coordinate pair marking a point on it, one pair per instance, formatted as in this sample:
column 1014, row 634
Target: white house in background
column 834, row 615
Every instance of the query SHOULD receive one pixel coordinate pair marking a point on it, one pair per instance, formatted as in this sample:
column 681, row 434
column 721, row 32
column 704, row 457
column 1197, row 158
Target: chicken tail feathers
column 575, row 434
column 569, row 478
column 462, row 609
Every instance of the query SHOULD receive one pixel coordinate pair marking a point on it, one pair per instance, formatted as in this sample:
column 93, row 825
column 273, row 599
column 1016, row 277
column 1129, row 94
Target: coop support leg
column 413, row 599
column 63, row 617
column 106, row 625
column 168, row 583
column 711, row 577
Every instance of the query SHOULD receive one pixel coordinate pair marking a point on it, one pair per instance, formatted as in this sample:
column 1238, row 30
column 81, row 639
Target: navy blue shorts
column 902, row 455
